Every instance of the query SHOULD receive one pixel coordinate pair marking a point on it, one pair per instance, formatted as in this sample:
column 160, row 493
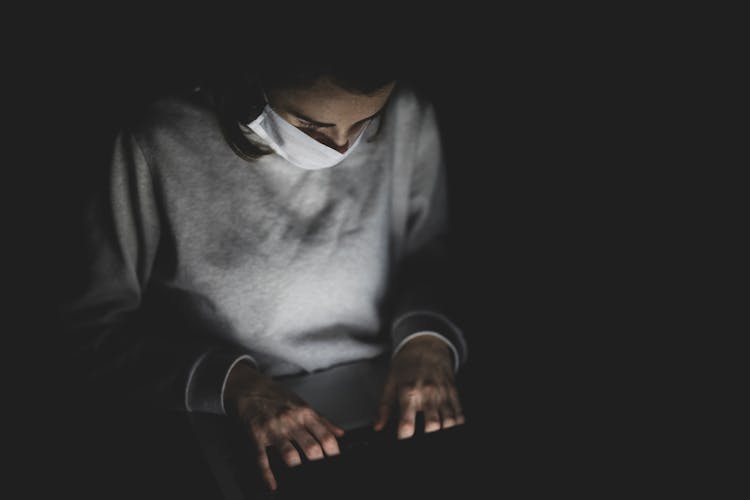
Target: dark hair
column 237, row 98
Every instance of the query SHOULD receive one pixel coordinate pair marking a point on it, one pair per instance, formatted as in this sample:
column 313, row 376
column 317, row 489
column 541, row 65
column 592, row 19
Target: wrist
column 242, row 377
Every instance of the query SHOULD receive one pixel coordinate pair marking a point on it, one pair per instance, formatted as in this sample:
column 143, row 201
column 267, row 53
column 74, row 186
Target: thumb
column 384, row 409
column 335, row 429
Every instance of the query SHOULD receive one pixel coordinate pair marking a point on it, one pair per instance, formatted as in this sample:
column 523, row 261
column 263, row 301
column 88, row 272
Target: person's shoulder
column 410, row 104
column 179, row 113
column 412, row 112
column 409, row 99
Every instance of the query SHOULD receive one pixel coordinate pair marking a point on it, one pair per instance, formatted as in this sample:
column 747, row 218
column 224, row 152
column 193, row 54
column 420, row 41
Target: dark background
column 539, row 121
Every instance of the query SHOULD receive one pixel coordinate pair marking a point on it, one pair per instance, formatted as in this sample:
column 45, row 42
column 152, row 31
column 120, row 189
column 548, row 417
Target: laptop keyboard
column 357, row 446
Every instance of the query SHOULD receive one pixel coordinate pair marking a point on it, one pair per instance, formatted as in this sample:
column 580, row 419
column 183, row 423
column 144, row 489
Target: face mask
column 296, row 146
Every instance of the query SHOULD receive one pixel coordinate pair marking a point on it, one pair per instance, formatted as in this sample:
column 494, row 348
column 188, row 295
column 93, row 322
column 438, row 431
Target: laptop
column 347, row 394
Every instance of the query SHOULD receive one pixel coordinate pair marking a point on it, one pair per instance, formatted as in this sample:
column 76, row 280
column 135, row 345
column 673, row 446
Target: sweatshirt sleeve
column 422, row 283
column 113, row 351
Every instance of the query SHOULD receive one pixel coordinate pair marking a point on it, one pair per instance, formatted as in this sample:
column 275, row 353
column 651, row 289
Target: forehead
column 326, row 102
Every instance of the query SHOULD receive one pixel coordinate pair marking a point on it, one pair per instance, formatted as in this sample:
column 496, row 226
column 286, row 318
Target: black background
column 540, row 119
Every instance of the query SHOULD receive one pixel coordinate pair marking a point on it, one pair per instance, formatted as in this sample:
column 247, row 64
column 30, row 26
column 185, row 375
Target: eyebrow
column 326, row 125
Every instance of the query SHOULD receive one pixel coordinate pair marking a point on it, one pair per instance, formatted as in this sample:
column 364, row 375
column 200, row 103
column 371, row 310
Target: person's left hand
column 421, row 379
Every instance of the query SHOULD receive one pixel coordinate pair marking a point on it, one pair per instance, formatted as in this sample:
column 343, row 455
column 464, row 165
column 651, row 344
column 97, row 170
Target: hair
column 237, row 98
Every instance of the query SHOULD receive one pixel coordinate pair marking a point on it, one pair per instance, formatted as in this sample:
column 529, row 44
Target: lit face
column 326, row 112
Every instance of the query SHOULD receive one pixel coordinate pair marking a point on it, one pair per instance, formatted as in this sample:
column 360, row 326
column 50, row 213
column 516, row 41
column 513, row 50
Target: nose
column 331, row 138
column 339, row 140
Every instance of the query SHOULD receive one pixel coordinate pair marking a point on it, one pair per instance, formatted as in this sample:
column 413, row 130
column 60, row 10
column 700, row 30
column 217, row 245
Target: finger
column 384, row 408
column 308, row 443
column 448, row 416
column 384, row 411
column 338, row 431
column 324, row 437
column 431, row 420
column 265, row 469
column 458, row 412
column 409, row 402
column 289, row 453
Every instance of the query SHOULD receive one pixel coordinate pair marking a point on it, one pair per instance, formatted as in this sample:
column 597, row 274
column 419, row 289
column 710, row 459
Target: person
column 278, row 219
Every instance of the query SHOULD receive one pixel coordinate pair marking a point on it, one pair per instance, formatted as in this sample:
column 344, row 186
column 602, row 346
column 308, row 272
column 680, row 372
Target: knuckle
column 307, row 413
column 288, row 421
column 277, row 430
column 287, row 413
column 257, row 430
column 430, row 387
column 408, row 387
column 409, row 391
column 278, row 437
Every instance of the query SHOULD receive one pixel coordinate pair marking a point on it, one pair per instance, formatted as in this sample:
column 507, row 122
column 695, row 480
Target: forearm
column 130, row 364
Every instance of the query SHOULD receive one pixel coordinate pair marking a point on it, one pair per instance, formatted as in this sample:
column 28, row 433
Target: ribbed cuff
column 456, row 361
column 425, row 322
column 204, row 391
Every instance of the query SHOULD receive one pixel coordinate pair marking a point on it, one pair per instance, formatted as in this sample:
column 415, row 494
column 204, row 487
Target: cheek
column 356, row 130
column 321, row 137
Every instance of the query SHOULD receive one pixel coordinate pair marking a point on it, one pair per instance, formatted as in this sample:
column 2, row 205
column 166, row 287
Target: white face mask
column 296, row 146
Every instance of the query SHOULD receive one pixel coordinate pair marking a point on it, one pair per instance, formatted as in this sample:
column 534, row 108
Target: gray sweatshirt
column 197, row 259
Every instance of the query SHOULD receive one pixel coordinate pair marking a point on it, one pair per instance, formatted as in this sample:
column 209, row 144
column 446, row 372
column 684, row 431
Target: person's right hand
column 275, row 416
